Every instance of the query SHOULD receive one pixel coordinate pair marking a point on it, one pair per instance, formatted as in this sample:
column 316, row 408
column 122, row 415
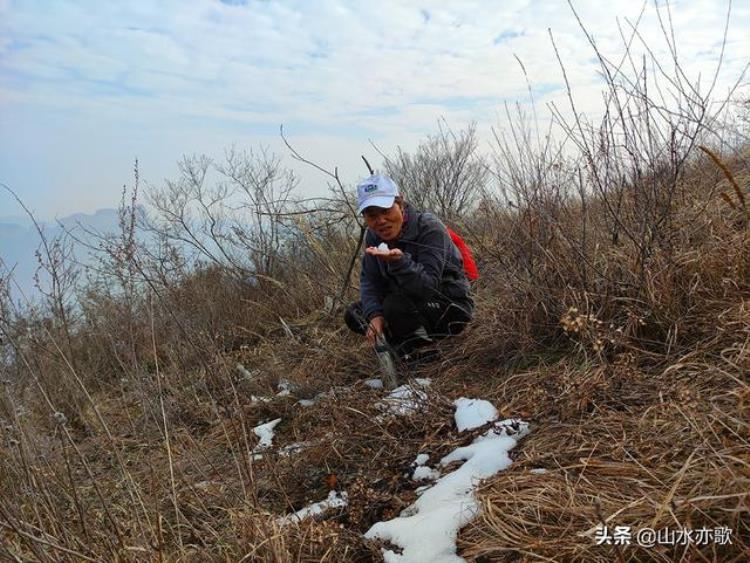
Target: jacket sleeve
column 372, row 287
column 421, row 278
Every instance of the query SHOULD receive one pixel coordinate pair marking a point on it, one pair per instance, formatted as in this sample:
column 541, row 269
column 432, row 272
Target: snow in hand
column 334, row 500
column 383, row 247
column 265, row 433
column 427, row 530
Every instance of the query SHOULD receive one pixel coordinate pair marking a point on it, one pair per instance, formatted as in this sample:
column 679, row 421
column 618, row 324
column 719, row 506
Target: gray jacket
column 431, row 266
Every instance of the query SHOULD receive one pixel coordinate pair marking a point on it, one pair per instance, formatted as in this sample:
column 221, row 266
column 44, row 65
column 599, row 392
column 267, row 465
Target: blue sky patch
column 544, row 89
column 507, row 35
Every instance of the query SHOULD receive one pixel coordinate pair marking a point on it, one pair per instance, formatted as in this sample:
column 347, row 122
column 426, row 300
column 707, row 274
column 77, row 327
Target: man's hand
column 389, row 255
column 376, row 326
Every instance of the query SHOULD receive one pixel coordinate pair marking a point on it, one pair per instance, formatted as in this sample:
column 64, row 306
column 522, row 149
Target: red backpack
column 470, row 267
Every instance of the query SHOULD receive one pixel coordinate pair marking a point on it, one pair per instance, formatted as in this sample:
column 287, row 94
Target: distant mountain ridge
column 19, row 240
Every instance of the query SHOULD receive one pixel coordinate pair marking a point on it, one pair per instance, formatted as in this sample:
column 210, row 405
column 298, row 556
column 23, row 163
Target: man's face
column 386, row 223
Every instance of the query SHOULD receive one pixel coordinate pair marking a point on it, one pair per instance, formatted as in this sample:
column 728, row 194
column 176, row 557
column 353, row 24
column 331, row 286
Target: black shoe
column 420, row 357
column 416, row 340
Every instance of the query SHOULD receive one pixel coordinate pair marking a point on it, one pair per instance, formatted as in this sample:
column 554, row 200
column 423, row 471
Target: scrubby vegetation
column 613, row 313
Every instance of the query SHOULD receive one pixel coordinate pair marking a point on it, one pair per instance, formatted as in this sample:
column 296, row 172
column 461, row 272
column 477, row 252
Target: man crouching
column 413, row 288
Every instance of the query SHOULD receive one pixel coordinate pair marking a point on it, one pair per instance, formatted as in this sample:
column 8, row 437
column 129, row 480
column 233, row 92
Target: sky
column 87, row 86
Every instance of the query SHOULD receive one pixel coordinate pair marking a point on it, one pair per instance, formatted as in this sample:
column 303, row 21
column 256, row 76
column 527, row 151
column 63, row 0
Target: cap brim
column 382, row 201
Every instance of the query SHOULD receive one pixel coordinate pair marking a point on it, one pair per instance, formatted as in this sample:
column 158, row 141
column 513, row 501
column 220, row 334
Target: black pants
column 403, row 315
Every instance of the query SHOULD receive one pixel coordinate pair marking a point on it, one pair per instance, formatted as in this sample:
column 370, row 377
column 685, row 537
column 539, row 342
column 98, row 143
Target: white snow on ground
column 315, row 399
column 334, row 500
column 473, row 413
column 421, row 472
column 538, row 471
column 247, row 375
column 423, row 488
column 294, row 448
column 373, row 383
column 306, row 402
column 427, row 530
column 265, row 433
column 407, row 398
column 284, row 388
column 424, row 473
column 254, row 399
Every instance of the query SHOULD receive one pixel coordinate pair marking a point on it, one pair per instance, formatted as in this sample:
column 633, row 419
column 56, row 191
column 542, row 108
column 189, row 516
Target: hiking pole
column 387, row 358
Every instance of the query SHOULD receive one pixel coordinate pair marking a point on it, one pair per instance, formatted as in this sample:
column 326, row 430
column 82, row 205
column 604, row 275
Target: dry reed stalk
column 729, row 176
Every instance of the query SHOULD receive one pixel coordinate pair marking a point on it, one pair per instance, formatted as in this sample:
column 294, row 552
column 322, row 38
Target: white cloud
column 182, row 72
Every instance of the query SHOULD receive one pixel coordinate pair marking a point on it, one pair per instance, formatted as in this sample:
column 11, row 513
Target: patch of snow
column 538, row 471
column 427, row 530
column 283, row 385
column 246, row 375
column 283, row 393
column 473, row 413
column 316, row 398
column 406, row 399
column 421, row 459
column 293, row 448
column 373, row 383
column 420, row 490
column 254, row 399
column 424, row 473
column 265, row 433
column 421, row 472
column 334, row 500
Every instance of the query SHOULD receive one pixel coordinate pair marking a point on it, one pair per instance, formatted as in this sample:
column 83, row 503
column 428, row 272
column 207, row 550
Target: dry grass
column 636, row 385
column 627, row 448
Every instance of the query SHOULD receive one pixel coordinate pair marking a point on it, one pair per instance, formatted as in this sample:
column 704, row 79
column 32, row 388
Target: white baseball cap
column 378, row 191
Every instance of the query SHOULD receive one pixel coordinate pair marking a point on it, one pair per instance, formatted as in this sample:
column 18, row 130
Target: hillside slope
column 133, row 433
